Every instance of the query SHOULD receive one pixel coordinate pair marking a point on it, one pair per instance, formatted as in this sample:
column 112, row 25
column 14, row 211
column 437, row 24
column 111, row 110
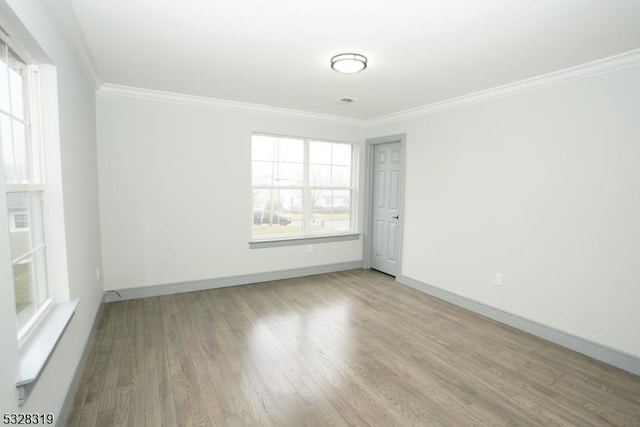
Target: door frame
column 367, row 231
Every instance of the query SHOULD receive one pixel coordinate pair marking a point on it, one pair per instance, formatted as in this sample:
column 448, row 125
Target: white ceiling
column 277, row 52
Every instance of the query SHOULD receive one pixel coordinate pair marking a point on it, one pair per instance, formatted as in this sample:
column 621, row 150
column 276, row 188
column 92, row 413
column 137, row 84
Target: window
column 19, row 221
column 21, row 165
column 302, row 187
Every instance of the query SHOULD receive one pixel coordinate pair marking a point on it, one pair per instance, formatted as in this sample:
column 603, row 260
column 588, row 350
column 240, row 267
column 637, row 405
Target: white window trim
column 35, row 184
column 306, row 240
column 40, row 334
column 38, row 342
column 307, row 236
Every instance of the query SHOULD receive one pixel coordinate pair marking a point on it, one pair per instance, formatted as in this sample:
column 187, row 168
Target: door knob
column 396, row 217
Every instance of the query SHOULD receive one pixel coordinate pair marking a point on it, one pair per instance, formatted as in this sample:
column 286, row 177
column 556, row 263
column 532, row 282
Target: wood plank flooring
column 342, row 349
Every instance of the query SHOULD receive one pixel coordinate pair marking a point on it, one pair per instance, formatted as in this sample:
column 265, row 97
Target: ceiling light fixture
column 349, row 63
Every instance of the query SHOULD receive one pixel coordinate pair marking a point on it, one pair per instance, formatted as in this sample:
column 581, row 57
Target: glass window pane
column 320, row 176
column 16, row 85
column 23, row 286
column 19, row 239
column 27, row 252
column 6, row 137
column 341, row 154
column 337, row 222
column 341, row 176
column 341, row 200
column 263, row 147
column 20, row 152
column 289, row 174
column 262, row 173
column 291, row 150
column 321, row 200
column 320, row 152
column 331, row 211
column 277, row 212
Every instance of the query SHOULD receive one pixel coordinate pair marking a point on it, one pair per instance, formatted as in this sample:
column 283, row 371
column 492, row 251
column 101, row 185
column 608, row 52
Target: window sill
column 306, row 240
column 39, row 346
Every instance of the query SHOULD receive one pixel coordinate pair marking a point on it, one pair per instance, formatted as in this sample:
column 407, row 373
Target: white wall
column 82, row 236
column 544, row 187
column 175, row 191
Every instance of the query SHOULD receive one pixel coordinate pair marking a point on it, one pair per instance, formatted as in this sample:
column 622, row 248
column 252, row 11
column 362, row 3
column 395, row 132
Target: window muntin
column 20, row 164
column 302, row 187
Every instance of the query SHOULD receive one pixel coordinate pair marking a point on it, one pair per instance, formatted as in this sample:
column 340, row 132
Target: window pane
column 331, row 211
column 291, row 150
column 27, row 252
column 288, row 174
column 341, row 176
column 320, row 152
column 6, row 137
column 277, row 212
column 335, row 222
column 29, row 285
column 23, row 285
column 277, row 161
column 325, row 200
column 20, row 239
column 20, row 152
column 328, row 176
column 277, row 174
column 330, row 164
column 264, row 147
column 341, row 200
column 16, row 85
column 341, row 154
column 320, row 176
column 321, row 200
column 262, row 173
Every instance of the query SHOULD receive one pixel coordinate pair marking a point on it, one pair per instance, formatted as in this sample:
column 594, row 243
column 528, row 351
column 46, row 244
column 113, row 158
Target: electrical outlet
column 497, row 280
column 309, row 249
column 97, row 272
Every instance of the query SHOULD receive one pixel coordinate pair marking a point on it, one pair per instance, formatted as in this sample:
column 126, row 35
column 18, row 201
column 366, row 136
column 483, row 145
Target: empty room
column 337, row 213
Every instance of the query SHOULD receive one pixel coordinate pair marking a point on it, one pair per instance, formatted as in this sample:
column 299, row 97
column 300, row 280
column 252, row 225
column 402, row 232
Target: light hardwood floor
column 352, row 348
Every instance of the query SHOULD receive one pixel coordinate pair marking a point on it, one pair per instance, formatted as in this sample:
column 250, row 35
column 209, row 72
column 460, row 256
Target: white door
column 387, row 164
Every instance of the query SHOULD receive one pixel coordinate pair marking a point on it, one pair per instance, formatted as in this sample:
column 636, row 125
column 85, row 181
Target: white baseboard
column 605, row 354
column 223, row 282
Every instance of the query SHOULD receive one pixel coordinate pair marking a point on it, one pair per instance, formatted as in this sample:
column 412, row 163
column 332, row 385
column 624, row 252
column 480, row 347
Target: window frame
column 307, row 235
column 33, row 183
column 37, row 342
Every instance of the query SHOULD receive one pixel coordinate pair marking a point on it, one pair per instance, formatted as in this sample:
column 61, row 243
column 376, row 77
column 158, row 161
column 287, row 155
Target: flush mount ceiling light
column 349, row 63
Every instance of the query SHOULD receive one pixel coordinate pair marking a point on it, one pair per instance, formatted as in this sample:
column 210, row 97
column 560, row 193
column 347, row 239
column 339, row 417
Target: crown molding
column 583, row 71
column 179, row 98
column 590, row 69
column 65, row 18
